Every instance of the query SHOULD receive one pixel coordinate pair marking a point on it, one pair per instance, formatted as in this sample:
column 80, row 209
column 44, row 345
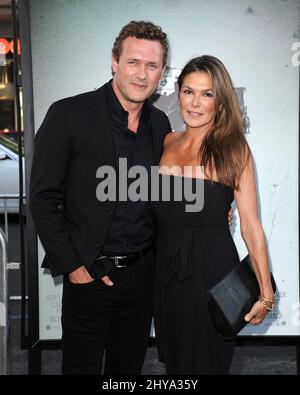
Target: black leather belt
column 120, row 261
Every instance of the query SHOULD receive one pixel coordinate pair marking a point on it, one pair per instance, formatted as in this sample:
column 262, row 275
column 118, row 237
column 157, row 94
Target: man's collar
column 112, row 101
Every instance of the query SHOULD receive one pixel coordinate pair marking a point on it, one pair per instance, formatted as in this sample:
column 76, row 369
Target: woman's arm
column 253, row 235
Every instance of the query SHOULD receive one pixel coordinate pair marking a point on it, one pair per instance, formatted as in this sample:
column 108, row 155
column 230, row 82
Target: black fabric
column 194, row 250
column 132, row 226
column 74, row 140
column 96, row 317
column 232, row 298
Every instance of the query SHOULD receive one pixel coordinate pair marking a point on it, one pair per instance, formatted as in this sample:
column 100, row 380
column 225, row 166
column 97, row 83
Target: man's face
column 138, row 71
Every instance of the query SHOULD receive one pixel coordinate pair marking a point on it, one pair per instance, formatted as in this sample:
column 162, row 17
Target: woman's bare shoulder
column 171, row 137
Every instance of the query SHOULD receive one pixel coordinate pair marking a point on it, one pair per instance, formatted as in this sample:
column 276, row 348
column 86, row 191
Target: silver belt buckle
column 116, row 260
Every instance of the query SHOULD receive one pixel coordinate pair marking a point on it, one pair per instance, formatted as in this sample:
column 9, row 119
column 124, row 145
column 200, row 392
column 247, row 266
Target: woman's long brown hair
column 224, row 149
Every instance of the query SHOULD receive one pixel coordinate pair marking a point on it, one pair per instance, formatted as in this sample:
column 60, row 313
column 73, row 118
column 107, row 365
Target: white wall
column 71, row 49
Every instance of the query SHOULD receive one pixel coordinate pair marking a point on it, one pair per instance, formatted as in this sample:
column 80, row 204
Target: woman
column 195, row 249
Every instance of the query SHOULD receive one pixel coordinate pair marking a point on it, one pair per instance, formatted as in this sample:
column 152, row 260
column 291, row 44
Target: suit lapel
column 104, row 132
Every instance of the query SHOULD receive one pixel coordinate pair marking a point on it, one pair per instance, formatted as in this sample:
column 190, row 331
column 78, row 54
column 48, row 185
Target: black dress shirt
column 132, row 227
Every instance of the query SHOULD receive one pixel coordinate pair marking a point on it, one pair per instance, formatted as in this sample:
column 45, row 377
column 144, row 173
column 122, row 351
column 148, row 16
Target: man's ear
column 114, row 63
column 163, row 71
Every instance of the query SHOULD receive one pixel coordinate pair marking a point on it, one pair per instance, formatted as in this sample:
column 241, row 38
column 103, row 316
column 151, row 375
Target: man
column 104, row 249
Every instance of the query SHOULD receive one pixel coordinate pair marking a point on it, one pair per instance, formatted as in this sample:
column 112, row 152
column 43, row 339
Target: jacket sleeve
column 52, row 158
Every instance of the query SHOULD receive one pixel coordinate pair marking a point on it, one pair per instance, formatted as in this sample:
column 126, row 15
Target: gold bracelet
column 267, row 303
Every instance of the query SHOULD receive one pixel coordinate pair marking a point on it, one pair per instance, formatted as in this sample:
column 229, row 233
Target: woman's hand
column 230, row 217
column 257, row 314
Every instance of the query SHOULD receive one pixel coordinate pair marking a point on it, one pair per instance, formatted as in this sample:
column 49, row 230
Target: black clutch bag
column 233, row 297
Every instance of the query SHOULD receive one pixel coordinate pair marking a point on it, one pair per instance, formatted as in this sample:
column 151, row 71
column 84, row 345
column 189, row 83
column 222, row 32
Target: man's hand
column 80, row 276
column 230, row 217
column 107, row 281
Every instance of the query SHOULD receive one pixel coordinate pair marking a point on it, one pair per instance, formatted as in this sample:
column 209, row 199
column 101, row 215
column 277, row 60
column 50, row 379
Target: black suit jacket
column 73, row 141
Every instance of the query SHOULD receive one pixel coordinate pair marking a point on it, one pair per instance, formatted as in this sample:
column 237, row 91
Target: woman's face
column 197, row 100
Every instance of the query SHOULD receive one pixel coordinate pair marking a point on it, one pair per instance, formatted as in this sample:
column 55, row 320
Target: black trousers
column 96, row 317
